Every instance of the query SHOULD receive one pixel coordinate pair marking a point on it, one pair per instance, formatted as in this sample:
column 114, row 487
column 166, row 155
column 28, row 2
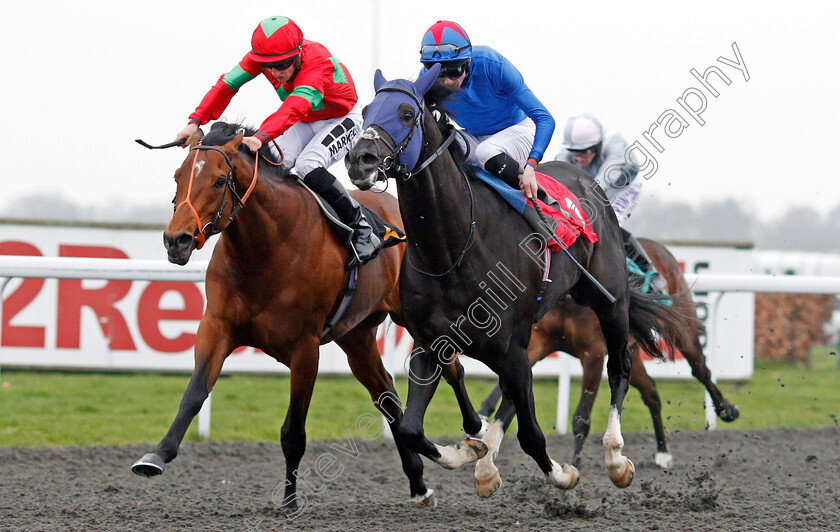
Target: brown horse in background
column 275, row 279
column 574, row 329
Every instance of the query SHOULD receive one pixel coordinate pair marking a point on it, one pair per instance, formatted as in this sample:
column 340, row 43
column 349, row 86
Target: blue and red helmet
column 445, row 41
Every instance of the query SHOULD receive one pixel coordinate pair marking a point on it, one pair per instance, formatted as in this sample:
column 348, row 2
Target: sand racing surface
column 775, row 479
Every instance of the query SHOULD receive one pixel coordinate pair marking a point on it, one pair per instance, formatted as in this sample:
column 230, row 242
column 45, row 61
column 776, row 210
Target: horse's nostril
column 368, row 160
column 184, row 240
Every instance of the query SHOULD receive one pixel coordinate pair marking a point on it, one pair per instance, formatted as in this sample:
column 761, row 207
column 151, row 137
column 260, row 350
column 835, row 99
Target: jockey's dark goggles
column 452, row 72
column 430, row 52
column 281, row 65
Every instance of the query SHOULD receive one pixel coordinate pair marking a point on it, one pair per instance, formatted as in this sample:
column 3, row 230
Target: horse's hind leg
column 366, row 365
column 454, row 375
column 616, row 327
column 423, row 377
column 212, row 346
column 693, row 354
column 303, row 369
column 592, row 359
column 640, row 380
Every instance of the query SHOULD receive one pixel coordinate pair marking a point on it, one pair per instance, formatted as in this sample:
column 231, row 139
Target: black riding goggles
column 281, row 65
column 451, row 72
column 430, row 52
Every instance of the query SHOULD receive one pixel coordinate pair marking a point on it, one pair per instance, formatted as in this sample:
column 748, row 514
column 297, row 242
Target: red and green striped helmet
column 275, row 39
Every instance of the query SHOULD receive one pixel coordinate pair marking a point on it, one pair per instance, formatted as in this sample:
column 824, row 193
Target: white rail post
column 3, row 282
column 204, row 419
column 564, row 390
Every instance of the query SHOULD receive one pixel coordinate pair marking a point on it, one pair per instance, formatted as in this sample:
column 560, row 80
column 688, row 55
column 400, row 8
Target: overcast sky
column 83, row 79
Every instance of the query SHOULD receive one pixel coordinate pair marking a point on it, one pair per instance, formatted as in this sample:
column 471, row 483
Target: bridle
column 388, row 166
column 209, row 229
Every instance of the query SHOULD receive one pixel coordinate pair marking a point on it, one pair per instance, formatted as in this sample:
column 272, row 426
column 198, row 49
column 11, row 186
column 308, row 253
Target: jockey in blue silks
column 506, row 127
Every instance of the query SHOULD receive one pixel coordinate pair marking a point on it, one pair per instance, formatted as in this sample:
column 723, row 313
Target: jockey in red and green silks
column 317, row 123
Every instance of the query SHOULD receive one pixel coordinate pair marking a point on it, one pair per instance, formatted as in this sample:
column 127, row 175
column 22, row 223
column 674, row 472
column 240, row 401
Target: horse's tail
column 655, row 324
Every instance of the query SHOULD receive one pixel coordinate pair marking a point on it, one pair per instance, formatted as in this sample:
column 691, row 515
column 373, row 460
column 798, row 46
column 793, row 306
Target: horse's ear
column 196, row 137
column 231, row 147
column 427, row 79
column 378, row 80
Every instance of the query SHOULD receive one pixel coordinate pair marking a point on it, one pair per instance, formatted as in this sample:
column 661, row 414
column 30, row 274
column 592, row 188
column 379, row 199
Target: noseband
column 209, row 229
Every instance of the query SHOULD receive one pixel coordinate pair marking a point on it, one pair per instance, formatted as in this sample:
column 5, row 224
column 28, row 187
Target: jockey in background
column 317, row 123
column 505, row 125
column 601, row 154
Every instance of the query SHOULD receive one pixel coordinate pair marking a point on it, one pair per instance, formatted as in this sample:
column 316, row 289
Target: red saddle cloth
column 571, row 219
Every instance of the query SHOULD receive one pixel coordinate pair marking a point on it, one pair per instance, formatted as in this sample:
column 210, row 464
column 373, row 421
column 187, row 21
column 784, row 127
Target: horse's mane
column 444, row 124
column 222, row 132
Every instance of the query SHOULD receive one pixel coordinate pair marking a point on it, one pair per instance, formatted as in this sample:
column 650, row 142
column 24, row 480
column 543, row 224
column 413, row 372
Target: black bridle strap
column 438, row 152
column 239, row 202
column 401, row 171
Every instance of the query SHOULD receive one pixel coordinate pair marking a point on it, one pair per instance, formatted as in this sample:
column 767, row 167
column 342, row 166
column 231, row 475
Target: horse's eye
column 220, row 182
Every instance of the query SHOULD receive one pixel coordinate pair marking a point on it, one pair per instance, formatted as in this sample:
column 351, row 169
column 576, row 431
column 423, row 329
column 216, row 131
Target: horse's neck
column 436, row 206
column 269, row 218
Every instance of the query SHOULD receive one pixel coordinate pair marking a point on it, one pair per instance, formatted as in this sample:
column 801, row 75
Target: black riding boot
column 635, row 252
column 507, row 169
column 365, row 243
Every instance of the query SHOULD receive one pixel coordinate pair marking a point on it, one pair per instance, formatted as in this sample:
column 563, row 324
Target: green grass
column 60, row 408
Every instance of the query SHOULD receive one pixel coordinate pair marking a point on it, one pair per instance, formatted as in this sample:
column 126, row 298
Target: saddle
column 388, row 234
column 566, row 218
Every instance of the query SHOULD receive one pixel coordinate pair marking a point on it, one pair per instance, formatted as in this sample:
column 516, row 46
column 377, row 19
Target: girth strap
column 345, row 302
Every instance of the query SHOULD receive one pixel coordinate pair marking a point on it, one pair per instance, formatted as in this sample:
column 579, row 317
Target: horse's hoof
column 564, row 477
column 150, row 465
column 626, row 477
column 486, row 487
column 425, row 501
column 476, row 446
column 575, row 477
column 729, row 413
column 664, row 460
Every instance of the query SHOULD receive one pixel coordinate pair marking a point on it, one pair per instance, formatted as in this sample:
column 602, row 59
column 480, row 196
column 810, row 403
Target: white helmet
column 582, row 132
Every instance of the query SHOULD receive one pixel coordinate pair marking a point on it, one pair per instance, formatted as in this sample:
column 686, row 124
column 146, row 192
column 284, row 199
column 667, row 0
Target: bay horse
column 275, row 278
column 467, row 287
column 574, row 329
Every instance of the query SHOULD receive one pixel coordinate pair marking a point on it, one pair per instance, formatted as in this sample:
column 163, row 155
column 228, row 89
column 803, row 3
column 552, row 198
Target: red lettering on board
column 149, row 315
column 21, row 335
column 72, row 296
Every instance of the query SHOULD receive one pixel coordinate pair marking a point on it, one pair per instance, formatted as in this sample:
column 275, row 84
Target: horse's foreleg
column 616, row 328
column 454, row 375
column 366, row 365
column 693, row 354
column 212, row 346
column 303, row 369
column 487, row 478
column 517, row 383
column 640, row 380
column 423, row 377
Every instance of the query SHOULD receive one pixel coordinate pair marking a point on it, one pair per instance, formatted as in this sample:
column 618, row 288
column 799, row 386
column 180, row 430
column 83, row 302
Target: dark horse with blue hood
column 469, row 285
